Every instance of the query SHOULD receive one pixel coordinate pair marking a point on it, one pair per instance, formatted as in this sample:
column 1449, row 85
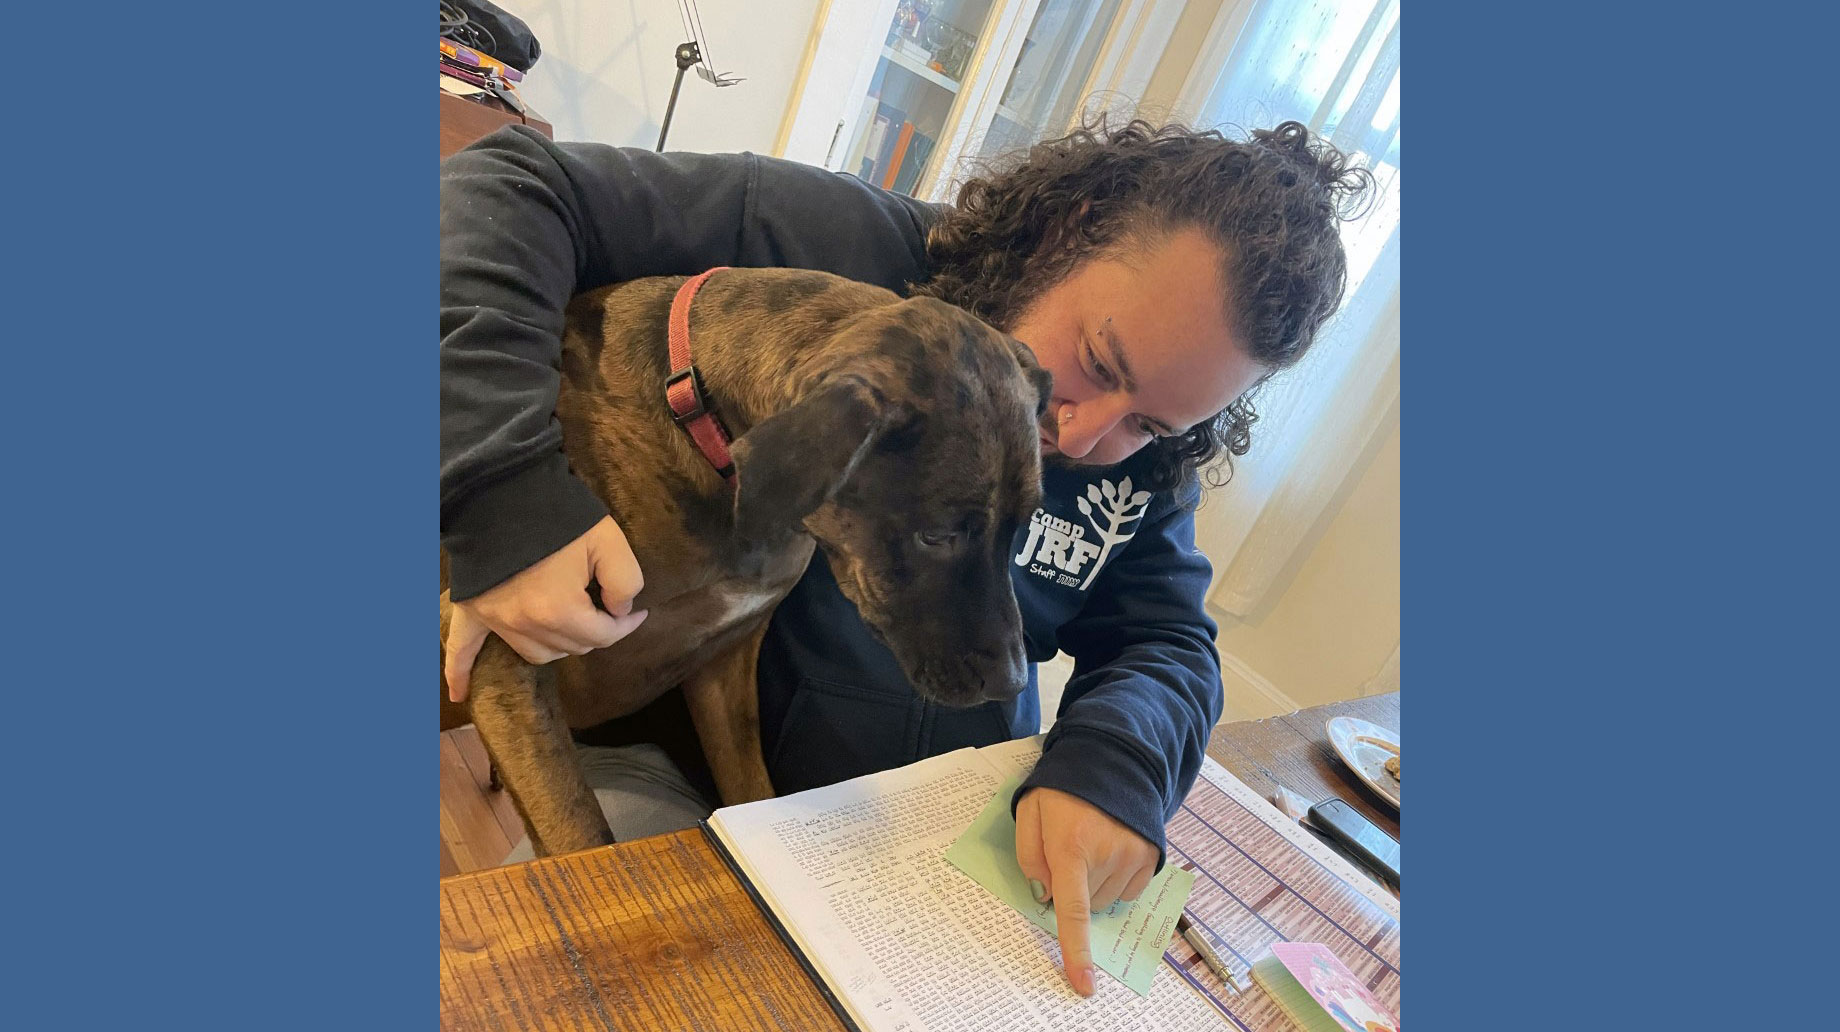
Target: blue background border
column 1613, row 424
column 222, row 420
column 222, row 427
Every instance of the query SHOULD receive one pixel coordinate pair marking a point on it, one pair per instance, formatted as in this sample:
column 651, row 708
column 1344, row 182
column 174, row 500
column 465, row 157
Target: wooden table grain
column 1293, row 751
column 652, row 934
column 659, row 934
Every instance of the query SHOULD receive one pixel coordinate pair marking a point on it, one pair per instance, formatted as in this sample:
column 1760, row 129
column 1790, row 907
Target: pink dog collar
column 684, row 389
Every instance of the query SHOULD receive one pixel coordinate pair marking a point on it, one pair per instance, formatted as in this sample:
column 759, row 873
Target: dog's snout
column 971, row 677
column 1004, row 675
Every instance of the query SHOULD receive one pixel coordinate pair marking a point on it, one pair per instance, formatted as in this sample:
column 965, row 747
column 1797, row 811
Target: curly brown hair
column 1271, row 202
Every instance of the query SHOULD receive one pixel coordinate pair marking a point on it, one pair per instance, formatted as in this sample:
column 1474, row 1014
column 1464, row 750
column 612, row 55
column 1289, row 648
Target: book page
column 1013, row 759
column 857, row 872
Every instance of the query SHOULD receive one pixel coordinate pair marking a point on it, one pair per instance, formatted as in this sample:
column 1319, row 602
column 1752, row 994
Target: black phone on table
column 1373, row 847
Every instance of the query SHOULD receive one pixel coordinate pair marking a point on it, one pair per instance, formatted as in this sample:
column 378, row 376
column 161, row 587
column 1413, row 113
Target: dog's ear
column 789, row 465
column 1042, row 380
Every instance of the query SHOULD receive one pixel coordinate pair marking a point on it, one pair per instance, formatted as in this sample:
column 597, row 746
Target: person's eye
column 1151, row 430
column 1100, row 372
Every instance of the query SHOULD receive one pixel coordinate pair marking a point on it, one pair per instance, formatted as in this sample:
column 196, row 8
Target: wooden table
column 658, row 934
column 1293, row 751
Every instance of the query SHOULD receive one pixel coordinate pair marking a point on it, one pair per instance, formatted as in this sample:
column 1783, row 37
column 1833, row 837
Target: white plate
column 1347, row 735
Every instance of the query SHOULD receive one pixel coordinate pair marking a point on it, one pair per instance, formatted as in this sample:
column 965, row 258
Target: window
column 1334, row 66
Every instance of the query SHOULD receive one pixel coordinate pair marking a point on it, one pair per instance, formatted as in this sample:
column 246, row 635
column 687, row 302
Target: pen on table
column 1198, row 940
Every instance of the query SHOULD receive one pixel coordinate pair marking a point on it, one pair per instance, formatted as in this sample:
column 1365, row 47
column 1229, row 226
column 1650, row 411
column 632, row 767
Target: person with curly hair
column 1160, row 274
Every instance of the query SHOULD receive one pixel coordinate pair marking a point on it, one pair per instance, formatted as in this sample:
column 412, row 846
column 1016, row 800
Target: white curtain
column 1334, row 66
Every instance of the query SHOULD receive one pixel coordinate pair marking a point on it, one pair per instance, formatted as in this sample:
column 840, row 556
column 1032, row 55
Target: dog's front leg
column 724, row 703
column 518, row 711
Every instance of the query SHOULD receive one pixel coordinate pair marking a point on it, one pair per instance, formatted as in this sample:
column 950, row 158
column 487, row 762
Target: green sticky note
column 1128, row 939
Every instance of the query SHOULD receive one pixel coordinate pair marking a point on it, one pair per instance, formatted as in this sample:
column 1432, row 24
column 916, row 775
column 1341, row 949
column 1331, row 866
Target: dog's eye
column 938, row 538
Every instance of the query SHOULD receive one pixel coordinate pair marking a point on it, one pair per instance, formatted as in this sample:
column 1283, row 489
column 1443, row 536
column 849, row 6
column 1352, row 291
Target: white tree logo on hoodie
column 1059, row 550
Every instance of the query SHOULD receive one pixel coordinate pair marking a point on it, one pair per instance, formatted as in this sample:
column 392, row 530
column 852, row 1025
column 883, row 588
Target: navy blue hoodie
column 1106, row 571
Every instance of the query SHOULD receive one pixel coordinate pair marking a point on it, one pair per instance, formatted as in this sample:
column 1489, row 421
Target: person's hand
column 545, row 613
column 1083, row 860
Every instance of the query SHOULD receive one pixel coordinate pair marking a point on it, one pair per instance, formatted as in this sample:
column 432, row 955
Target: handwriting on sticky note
column 1128, row 939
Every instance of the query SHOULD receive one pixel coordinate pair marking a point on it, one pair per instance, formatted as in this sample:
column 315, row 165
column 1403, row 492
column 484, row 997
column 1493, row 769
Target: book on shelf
column 875, row 158
column 895, row 156
column 872, row 146
column 917, row 152
column 855, row 879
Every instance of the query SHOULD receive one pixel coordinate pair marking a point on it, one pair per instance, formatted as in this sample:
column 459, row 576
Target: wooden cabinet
column 465, row 119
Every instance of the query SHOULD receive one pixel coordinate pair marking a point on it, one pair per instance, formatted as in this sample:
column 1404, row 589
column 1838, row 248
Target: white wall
column 606, row 69
column 1330, row 629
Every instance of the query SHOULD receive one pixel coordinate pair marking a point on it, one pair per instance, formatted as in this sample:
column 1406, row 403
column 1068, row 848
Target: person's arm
column 1145, row 693
column 1133, row 726
column 527, row 223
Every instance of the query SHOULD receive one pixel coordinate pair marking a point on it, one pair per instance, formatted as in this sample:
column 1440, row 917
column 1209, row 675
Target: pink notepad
column 1319, row 992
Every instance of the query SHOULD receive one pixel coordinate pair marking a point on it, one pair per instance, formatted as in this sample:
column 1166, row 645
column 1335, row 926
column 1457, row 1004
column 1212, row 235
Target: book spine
column 779, row 928
column 896, row 117
column 467, row 55
column 872, row 148
column 917, row 153
column 1283, row 989
column 900, row 151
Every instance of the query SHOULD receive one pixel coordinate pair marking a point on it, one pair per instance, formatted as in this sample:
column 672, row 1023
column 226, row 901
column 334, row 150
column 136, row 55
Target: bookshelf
column 912, row 64
column 963, row 80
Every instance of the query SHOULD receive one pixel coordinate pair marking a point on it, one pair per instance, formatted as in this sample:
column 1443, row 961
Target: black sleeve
column 527, row 223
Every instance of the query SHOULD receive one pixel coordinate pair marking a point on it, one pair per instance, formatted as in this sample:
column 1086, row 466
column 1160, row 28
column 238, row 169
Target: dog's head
column 912, row 459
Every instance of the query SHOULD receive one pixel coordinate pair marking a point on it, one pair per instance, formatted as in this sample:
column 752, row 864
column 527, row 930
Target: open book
column 856, row 878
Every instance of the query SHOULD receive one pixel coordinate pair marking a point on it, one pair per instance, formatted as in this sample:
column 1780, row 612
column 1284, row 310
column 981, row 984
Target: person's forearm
column 526, row 224
column 1145, row 694
column 508, row 264
column 1133, row 741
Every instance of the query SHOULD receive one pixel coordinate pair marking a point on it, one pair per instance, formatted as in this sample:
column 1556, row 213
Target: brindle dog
column 898, row 435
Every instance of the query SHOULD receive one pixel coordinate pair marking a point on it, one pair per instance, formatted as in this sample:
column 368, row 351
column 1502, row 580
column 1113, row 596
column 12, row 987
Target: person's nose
column 1085, row 424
